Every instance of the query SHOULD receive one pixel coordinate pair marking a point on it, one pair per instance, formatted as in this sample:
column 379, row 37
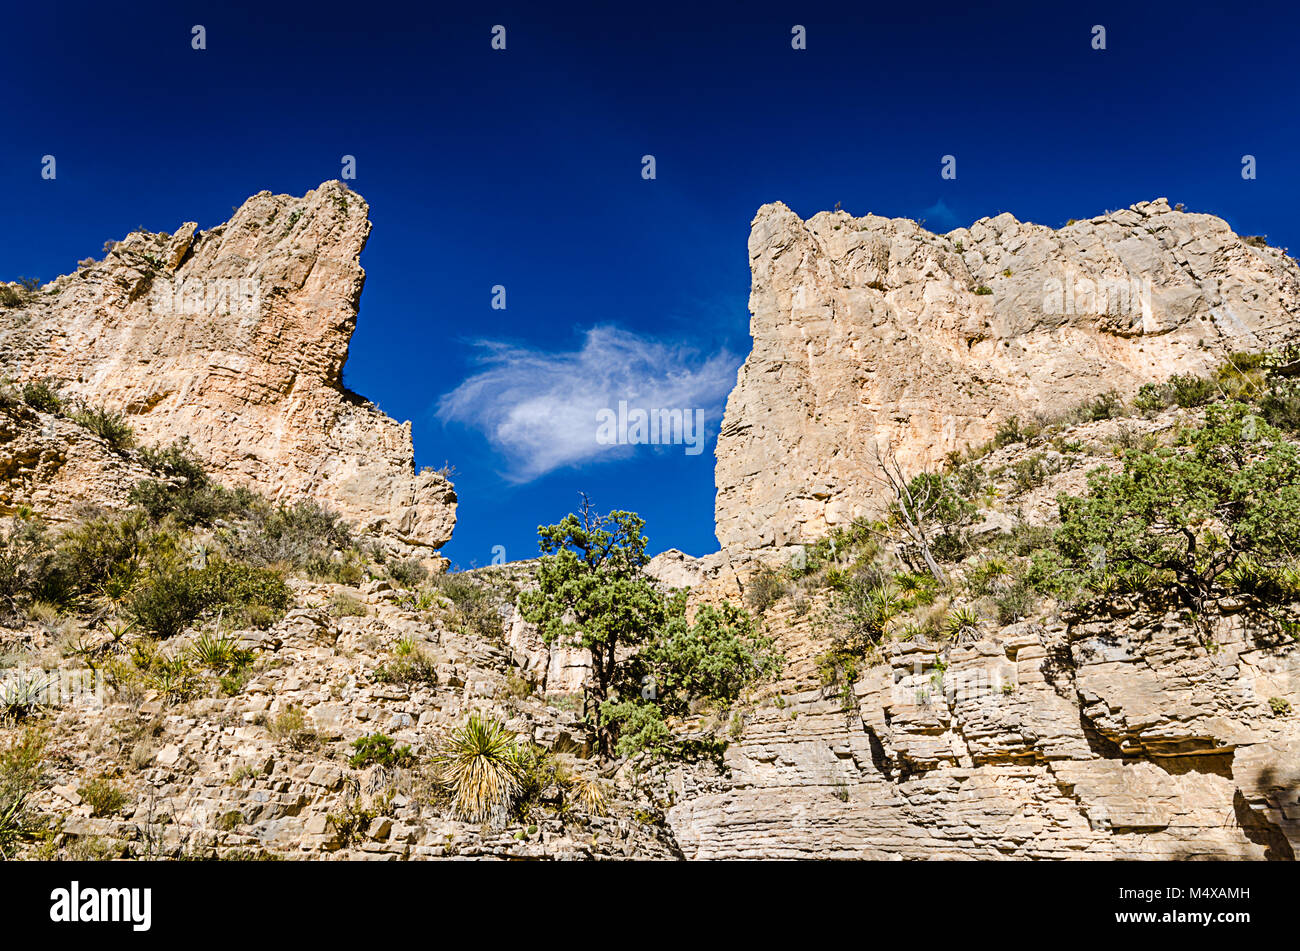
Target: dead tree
column 912, row 501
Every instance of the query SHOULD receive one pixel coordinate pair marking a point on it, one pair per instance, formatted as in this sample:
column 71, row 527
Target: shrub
column 102, row 795
column 1154, row 397
column 983, row 290
column 1279, row 705
column 379, row 749
column 290, row 727
column 413, row 668
column 185, row 494
column 22, row 771
column 25, row 555
column 109, row 426
column 639, row 725
column 409, row 573
column 473, row 603
column 479, row 766
column 1009, row 431
column 1106, row 406
column 305, row 535
column 1192, row 514
column 109, row 551
column 713, row 658
column 344, row 605
column 39, row 396
column 861, row 613
column 940, row 514
column 1015, row 603
column 1280, row 404
column 1030, row 472
column 9, row 297
column 1189, row 391
column 766, row 587
column 172, row 598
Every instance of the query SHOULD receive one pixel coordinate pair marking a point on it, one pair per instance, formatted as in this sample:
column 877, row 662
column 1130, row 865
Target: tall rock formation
column 235, row 338
column 873, row 335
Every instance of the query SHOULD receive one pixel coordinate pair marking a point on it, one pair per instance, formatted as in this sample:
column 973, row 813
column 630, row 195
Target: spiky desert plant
column 480, row 767
column 590, row 794
column 22, row 696
column 962, row 624
column 219, row 652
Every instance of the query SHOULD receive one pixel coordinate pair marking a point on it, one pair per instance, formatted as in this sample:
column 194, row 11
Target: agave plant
column 480, row 767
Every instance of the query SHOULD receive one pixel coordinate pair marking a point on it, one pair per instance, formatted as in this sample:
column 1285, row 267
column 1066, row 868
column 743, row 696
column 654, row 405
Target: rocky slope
column 1119, row 733
column 874, row 336
column 235, row 339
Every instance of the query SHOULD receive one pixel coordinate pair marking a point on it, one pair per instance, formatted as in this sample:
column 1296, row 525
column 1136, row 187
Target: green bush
column 1106, row 406
column 1190, row 391
column 473, row 602
column 764, row 589
column 713, row 658
column 41, row 397
column 305, row 535
column 1189, row 514
column 103, row 796
column 639, row 725
column 408, row 573
column 170, row 599
column 109, row 426
column 1280, row 404
column 379, row 749
column 1154, row 397
column 25, row 557
column 22, row 772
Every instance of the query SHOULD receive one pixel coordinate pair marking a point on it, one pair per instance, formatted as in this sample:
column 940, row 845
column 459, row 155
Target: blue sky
column 522, row 168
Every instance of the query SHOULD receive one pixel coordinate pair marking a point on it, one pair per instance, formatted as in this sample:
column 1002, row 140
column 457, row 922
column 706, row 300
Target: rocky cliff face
column 1122, row 731
column 235, row 339
column 875, row 336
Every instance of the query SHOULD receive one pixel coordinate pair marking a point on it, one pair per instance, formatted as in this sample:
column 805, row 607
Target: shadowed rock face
column 873, row 335
column 235, row 339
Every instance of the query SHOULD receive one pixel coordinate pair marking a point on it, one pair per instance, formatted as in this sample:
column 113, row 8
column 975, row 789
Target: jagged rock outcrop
column 874, row 335
column 235, row 339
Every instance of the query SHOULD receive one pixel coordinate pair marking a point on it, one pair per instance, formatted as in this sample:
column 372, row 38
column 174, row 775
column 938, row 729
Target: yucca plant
column 13, row 821
column 219, row 652
column 962, row 624
column 22, row 696
column 590, row 794
column 173, row 679
column 480, row 767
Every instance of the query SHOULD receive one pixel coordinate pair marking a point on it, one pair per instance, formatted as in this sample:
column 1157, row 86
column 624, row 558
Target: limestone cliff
column 874, row 335
column 235, row 338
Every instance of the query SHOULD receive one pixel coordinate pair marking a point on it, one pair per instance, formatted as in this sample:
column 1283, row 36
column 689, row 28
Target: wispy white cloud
column 539, row 408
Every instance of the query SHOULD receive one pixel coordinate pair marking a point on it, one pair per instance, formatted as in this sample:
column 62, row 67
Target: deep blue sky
column 522, row 167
